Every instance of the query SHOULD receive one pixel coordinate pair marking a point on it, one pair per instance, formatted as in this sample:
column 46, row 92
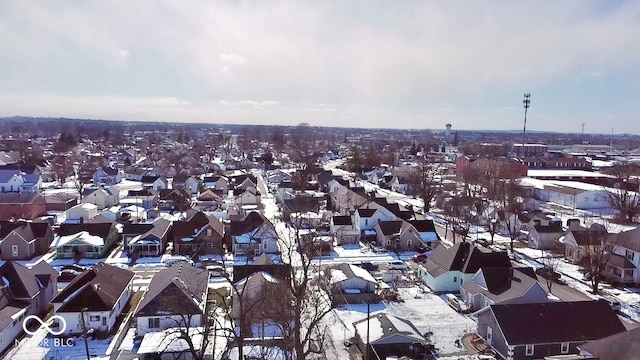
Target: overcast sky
column 399, row 64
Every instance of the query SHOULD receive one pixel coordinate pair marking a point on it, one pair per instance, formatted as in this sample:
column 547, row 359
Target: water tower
column 448, row 131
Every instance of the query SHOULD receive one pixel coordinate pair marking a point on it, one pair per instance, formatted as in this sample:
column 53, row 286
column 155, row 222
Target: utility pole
column 84, row 332
column 525, row 103
column 366, row 351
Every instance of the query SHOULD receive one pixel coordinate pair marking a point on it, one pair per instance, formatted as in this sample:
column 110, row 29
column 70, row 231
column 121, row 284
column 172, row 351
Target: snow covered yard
column 39, row 346
column 427, row 311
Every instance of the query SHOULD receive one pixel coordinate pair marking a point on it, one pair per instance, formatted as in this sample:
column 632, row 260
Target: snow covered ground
column 39, row 346
column 427, row 311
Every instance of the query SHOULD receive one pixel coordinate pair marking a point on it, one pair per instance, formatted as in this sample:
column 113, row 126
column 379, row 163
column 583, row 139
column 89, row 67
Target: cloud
column 468, row 56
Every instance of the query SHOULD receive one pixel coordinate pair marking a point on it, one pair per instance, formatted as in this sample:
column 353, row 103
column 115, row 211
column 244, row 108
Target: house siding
column 499, row 343
column 167, row 322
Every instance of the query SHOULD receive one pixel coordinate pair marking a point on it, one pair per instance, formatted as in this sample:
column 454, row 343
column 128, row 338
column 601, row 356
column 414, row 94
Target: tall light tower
column 525, row 103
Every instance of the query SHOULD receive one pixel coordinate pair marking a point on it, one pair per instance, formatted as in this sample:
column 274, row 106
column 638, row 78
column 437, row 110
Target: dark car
column 369, row 266
column 418, row 258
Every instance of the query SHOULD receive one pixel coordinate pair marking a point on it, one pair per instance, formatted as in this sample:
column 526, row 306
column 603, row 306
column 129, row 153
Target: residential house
column 503, row 285
column 344, row 200
column 256, row 299
column 24, row 205
column 24, row 292
column 174, row 199
column 156, row 183
column 367, row 216
column 623, row 345
column 449, row 268
column 97, row 296
column 146, row 198
column 15, row 180
column 278, row 176
column 198, row 238
column 24, row 240
column 191, row 185
column 134, row 173
column 176, row 297
column 580, row 241
column 209, row 199
column 343, row 230
column 623, row 265
column 107, row 176
column 552, row 328
column 389, row 336
column 146, row 239
column 265, row 262
column 545, row 236
column 81, row 213
column 217, row 182
column 102, row 197
column 91, row 240
column 396, row 235
column 351, row 284
column 249, row 196
column 252, row 234
column 427, row 233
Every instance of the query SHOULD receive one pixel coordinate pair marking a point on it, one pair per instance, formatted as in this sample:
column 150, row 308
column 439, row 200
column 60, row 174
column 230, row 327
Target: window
column 14, row 250
column 455, row 279
column 366, row 222
column 388, row 242
column 93, row 318
column 564, row 348
column 266, row 245
column 104, row 321
column 154, row 323
column 630, row 255
column 489, row 336
column 528, row 350
column 408, row 243
column 209, row 232
column 628, row 273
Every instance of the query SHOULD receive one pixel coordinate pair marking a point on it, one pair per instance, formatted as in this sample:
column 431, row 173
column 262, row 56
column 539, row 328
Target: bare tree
column 311, row 298
column 550, row 265
column 598, row 253
column 625, row 196
column 427, row 180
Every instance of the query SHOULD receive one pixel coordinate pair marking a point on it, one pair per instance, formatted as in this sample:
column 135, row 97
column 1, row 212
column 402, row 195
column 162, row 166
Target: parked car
column 419, row 258
column 397, row 265
column 369, row 266
column 456, row 304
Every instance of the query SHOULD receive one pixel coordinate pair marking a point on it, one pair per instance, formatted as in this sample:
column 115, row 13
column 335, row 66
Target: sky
column 374, row 64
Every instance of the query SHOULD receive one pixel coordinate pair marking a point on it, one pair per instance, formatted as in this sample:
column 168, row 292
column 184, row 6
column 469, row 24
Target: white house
column 176, row 297
column 98, row 295
column 449, row 268
column 107, row 176
column 367, row 216
column 349, row 277
column 191, row 185
column 17, row 181
column 253, row 231
column 623, row 265
column 344, row 231
column 102, row 197
column 81, row 213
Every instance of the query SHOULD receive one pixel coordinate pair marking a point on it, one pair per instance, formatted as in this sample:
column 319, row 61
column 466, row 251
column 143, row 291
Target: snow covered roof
column 384, row 326
column 170, row 341
column 82, row 236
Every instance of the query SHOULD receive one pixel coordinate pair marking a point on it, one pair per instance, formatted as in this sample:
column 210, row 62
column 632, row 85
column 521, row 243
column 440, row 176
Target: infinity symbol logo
column 63, row 325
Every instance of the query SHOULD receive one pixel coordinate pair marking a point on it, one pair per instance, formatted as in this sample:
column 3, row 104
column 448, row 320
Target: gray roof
column 180, row 289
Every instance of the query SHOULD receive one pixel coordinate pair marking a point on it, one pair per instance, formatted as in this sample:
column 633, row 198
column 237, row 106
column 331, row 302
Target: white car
column 397, row 265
